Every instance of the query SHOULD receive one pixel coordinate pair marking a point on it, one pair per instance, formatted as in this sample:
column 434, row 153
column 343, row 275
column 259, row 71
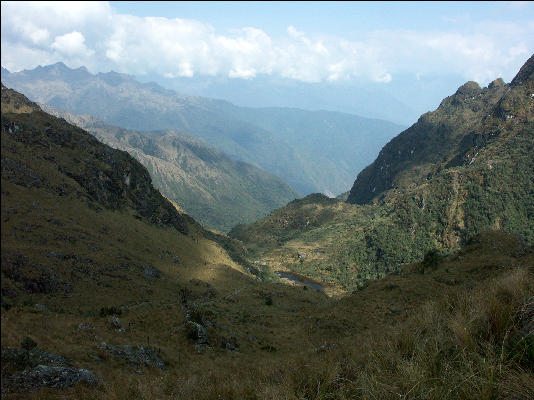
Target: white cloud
column 71, row 44
column 39, row 36
column 91, row 34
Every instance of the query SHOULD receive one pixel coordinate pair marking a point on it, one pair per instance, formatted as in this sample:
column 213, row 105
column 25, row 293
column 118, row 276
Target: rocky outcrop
column 53, row 377
column 32, row 368
column 136, row 356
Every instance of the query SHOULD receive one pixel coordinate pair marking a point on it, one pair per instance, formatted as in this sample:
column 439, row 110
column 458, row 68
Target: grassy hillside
column 270, row 139
column 215, row 190
column 477, row 177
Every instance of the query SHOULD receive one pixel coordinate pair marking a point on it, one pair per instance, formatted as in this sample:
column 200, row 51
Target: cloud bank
column 92, row 34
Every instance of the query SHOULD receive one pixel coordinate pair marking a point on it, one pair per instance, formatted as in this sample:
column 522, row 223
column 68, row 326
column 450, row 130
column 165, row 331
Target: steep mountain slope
column 120, row 100
column 471, row 170
column 441, row 139
column 215, row 190
column 86, row 239
column 110, row 178
column 436, row 139
column 81, row 220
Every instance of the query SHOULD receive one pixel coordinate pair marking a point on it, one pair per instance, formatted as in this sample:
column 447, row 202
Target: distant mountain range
column 215, row 190
column 284, row 142
column 401, row 101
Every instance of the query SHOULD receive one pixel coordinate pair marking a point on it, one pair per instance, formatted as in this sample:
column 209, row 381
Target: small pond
column 300, row 279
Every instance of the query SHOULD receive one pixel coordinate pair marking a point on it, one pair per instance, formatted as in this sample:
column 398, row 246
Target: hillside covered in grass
column 462, row 169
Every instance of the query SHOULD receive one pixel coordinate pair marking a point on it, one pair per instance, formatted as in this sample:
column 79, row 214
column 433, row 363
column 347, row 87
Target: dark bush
column 28, row 343
column 105, row 311
column 431, row 260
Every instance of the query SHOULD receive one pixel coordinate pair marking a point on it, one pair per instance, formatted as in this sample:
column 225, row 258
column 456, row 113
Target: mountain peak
column 526, row 72
column 57, row 66
column 496, row 83
column 469, row 88
column 114, row 78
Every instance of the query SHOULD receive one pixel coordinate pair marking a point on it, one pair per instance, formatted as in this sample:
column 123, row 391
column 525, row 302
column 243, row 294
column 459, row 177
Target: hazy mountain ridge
column 214, row 189
column 374, row 100
column 121, row 100
column 474, row 173
column 320, row 133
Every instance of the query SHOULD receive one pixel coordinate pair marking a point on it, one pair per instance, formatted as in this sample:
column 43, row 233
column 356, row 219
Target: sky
column 305, row 41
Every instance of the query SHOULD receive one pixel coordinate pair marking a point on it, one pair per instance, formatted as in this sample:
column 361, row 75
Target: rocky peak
column 470, row 88
column 58, row 71
column 114, row 78
column 496, row 83
column 59, row 67
column 526, row 73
